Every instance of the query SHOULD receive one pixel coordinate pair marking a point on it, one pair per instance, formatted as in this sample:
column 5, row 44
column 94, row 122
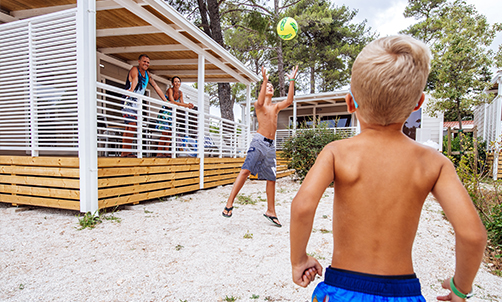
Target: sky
column 386, row 17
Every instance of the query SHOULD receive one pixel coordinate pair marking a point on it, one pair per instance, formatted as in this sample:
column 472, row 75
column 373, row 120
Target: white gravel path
column 182, row 249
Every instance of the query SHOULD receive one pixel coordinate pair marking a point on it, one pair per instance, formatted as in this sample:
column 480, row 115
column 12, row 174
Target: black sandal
column 228, row 211
column 272, row 219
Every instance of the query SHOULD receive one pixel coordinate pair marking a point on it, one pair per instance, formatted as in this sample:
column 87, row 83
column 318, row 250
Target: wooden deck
column 54, row 181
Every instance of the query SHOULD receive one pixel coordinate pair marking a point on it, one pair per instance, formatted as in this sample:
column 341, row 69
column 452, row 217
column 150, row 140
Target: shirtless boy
column 261, row 154
column 381, row 180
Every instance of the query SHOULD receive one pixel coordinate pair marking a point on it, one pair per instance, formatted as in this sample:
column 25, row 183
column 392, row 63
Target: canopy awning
column 127, row 28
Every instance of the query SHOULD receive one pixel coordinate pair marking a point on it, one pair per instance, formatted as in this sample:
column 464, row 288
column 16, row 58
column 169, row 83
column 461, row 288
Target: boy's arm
column 261, row 97
column 303, row 210
column 291, row 92
column 470, row 234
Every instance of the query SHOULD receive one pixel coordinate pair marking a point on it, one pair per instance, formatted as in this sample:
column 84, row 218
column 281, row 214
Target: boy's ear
column 351, row 107
column 420, row 102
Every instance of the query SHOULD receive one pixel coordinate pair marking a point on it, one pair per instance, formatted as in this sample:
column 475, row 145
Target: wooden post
column 449, row 142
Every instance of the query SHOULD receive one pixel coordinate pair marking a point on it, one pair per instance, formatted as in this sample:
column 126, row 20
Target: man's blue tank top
column 140, row 89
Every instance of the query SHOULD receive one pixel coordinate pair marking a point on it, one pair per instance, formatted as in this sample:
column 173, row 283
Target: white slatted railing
column 172, row 135
column 38, row 84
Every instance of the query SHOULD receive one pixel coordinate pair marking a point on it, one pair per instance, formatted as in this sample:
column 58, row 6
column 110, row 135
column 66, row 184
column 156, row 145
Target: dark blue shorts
column 342, row 285
column 130, row 119
column 260, row 158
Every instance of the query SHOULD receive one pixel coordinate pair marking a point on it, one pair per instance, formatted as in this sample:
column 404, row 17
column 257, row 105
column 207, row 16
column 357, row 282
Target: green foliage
column 230, row 299
column 487, row 198
column 494, row 226
column 459, row 38
column 243, row 199
column 327, row 43
column 248, row 235
column 90, row 220
column 467, row 145
column 304, row 147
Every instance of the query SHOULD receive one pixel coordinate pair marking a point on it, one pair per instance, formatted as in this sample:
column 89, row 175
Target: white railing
column 224, row 137
column 165, row 129
column 38, row 84
column 282, row 135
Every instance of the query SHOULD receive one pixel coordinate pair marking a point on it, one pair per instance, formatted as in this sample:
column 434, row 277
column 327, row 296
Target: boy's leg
column 239, row 182
column 271, row 214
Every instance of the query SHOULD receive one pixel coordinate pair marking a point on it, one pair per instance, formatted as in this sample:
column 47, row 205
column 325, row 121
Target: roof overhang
column 127, row 28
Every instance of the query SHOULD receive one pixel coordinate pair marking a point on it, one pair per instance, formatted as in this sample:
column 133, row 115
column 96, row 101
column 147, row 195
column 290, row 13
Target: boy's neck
column 396, row 127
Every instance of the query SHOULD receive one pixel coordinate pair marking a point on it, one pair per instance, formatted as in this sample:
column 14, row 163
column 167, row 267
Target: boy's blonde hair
column 388, row 78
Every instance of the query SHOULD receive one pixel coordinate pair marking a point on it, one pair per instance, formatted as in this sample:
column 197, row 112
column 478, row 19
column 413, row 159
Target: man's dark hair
column 142, row 55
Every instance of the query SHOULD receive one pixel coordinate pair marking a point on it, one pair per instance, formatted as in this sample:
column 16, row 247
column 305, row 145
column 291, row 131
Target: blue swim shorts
column 343, row 285
column 260, row 158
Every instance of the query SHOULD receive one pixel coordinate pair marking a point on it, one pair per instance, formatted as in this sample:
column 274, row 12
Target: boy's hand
column 292, row 74
column 264, row 73
column 451, row 296
column 306, row 272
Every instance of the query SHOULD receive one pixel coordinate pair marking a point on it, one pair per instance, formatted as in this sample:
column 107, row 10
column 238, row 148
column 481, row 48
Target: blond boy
column 381, row 180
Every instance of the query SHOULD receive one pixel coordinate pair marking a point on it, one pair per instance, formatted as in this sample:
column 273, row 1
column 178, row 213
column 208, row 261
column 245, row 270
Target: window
column 413, row 122
column 331, row 121
column 336, row 121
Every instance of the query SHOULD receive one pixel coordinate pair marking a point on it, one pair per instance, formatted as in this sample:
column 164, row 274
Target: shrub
column 303, row 147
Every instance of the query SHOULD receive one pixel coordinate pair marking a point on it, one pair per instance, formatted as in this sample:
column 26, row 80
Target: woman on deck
column 174, row 96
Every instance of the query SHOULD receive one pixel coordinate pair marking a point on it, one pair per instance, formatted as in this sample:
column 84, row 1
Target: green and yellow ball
column 287, row 28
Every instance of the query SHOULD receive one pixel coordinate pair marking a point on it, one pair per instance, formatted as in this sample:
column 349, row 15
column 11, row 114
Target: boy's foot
column 228, row 211
column 274, row 220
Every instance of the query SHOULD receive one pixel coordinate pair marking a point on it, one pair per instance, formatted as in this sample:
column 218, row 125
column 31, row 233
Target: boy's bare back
column 379, row 193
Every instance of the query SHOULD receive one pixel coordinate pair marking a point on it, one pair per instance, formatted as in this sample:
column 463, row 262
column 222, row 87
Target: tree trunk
column 203, row 16
column 226, row 105
column 312, row 80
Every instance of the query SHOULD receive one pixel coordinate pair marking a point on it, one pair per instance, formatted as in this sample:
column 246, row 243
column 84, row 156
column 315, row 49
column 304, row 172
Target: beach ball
column 287, row 28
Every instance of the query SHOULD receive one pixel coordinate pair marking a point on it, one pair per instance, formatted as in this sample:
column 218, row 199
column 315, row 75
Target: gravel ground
column 182, row 249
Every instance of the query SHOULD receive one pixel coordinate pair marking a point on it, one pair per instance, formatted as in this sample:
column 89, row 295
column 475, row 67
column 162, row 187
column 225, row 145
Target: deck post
column 86, row 90
column 201, row 122
column 247, row 112
column 294, row 117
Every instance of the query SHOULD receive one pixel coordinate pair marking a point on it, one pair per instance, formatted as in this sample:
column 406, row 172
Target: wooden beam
column 127, row 31
column 28, row 13
column 189, row 72
column 40, row 201
column 168, row 62
column 4, row 17
column 145, row 49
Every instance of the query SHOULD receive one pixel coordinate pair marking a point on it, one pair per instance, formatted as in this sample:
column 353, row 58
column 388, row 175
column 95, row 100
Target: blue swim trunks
column 343, row 285
column 260, row 158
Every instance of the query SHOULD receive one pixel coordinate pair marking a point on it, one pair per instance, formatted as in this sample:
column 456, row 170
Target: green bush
column 494, row 226
column 303, row 147
column 467, row 145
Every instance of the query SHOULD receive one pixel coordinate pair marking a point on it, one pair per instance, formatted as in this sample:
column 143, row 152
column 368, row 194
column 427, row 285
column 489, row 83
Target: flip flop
column 228, row 211
column 272, row 219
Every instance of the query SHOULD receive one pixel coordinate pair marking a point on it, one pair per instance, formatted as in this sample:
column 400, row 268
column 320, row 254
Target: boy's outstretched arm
column 261, row 97
column 291, row 92
column 303, row 209
column 470, row 234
